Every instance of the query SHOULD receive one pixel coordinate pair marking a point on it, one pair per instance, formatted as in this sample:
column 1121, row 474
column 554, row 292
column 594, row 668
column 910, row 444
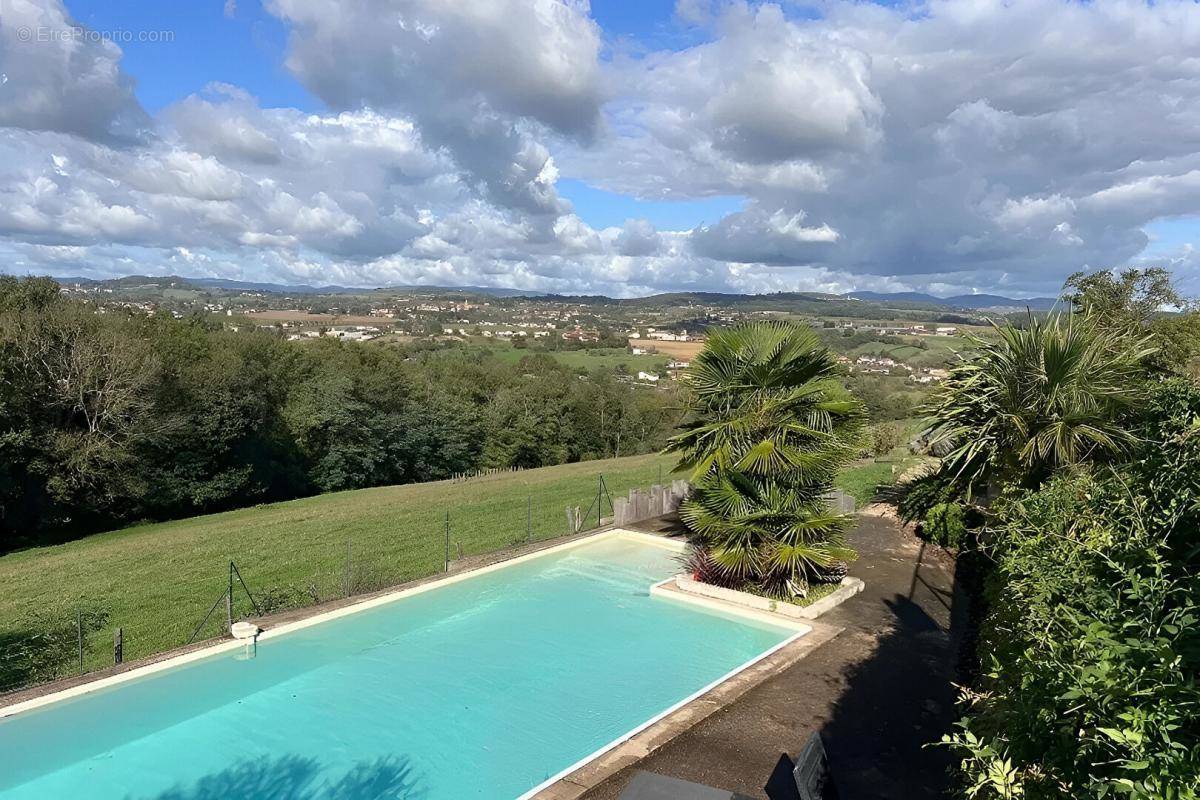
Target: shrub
column 945, row 525
column 920, row 494
column 885, row 437
column 1036, row 399
column 1091, row 651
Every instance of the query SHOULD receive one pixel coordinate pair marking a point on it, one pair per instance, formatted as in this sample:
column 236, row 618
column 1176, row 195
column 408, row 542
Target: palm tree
column 1032, row 399
column 767, row 428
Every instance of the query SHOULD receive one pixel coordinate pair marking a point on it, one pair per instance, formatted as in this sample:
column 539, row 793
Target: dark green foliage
column 885, row 437
column 1035, row 399
column 946, row 525
column 108, row 419
column 920, row 494
column 1090, row 653
column 1127, row 301
column 1166, row 468
column 767, row 430
column 1090, row 649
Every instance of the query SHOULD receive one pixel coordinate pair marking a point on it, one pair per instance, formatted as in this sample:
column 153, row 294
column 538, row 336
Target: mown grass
column 156, row 581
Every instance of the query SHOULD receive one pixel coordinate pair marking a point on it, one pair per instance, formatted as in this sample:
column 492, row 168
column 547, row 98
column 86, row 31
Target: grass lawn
column 156, row 581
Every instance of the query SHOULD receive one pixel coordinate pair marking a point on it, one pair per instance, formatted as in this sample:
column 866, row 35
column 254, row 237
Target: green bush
column 885, row 437
column 1091, row 649
column 945, row 524
column 922, row 493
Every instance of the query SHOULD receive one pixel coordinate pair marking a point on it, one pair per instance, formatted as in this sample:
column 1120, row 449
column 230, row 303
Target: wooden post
column 118, row 645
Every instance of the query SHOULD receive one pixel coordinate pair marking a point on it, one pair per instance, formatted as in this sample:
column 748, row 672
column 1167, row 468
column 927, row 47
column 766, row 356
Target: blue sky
column 828, row 146
column 247, row 49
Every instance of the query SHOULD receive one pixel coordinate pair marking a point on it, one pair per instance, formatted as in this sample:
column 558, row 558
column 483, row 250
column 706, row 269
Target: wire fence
column 200, row 601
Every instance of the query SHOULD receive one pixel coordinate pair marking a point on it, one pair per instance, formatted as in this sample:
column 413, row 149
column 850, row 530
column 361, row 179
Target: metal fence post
column 229, row 601
column 599, row 494
column 447, row 541
column 349, row 556
column 79, row 632
column 119, row 645
column 529, row 518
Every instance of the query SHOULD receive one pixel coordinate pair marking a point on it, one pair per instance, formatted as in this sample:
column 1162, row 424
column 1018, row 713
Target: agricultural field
column 607, row 357
column 684, row 351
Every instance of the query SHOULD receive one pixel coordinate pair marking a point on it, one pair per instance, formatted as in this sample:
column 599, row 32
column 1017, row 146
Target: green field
column 608, row 357
column 157, row 581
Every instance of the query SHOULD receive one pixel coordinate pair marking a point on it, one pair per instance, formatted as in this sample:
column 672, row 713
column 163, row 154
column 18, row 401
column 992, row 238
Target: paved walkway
column 877, row 693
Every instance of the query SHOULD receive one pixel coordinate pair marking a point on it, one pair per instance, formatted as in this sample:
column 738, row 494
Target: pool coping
column 627, row 750
column 27, row 700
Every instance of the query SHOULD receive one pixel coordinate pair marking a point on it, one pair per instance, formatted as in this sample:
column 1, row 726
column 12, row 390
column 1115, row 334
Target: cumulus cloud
column 970, row 142
column 478, row 78
column 949, row 146
column 57, row 78
column 757, row 235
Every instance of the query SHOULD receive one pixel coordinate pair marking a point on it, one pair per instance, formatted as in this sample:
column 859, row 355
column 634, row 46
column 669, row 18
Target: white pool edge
column 583, row 762
column 326, row 616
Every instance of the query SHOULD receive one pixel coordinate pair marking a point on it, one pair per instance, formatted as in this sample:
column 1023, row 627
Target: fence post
column 79, row 633
column 447, row 541
column 599, row 502
column 529, row 518
column 118, row 645
column 349, row 555
column 229, row 602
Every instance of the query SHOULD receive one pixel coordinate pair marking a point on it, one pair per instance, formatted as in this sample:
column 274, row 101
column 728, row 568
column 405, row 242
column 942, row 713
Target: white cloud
column 957, row 145
column 60, row 80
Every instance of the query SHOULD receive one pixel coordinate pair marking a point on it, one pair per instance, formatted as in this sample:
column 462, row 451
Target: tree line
column 109, row 417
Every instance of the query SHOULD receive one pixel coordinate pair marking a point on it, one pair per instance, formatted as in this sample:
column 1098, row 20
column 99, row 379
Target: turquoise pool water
column 478, row 689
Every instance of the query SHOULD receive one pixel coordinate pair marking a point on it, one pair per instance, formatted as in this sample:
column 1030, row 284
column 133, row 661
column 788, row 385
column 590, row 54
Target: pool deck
column 877, row 685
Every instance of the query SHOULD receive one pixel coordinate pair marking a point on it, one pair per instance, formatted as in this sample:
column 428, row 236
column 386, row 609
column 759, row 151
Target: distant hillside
column 804, row 302
column 176, row 281
column 975, row 302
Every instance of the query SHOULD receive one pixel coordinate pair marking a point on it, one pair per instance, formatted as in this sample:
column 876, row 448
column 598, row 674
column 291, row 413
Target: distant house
column 649, row 377
column 638, row 351
column 578, row 334
column 667, row 336
column 947, row 330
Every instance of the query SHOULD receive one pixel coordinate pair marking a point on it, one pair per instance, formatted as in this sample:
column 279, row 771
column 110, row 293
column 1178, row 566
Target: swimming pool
column 485, row 687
